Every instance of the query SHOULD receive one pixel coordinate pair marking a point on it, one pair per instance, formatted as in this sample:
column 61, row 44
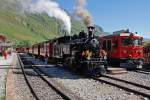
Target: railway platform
column 5, row 64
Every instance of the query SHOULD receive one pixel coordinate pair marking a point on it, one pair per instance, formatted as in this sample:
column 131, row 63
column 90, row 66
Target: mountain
column 19, row 26
column 99, row 30
column 23, row 28
column 146, row 40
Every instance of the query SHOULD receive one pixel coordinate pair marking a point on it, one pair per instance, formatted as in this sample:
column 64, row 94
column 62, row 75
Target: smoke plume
column 82, row 12
column 52, row 9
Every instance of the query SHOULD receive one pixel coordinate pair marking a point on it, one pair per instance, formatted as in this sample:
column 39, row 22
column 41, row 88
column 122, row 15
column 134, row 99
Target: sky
column 113, row 15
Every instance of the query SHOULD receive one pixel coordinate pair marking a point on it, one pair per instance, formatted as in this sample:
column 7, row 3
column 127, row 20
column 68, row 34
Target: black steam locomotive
column 79, row 52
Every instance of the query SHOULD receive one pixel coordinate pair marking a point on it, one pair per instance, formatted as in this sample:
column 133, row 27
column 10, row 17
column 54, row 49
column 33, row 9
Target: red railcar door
column 115, row 53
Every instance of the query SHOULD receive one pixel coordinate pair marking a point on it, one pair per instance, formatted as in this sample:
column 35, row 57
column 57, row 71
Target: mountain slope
column 21, row 26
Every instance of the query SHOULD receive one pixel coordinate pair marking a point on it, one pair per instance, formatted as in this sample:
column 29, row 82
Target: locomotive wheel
column 102, row 69
column 68, row 62
column 99, row 70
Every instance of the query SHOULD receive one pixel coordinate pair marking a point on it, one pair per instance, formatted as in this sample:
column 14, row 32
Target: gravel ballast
column 86, row 88
column 43, row 91
column 135, row 77
column 21, row 90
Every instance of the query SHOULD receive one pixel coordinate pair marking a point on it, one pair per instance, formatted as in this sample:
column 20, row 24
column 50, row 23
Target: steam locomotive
column 78, row 52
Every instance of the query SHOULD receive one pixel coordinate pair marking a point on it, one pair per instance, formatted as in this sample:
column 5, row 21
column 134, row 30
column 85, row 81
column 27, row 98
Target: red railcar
column 123, row 47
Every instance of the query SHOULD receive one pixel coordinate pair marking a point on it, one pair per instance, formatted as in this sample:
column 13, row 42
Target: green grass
column 3, row 98
column 33, row 28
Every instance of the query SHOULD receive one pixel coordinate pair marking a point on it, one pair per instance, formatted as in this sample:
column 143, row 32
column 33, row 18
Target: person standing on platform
column 5, row 55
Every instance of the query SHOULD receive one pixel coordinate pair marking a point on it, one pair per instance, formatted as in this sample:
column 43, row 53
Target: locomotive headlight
column 94, row 42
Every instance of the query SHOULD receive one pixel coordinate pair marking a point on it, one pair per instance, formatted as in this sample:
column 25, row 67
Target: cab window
column 137, row 42
column 126, row 41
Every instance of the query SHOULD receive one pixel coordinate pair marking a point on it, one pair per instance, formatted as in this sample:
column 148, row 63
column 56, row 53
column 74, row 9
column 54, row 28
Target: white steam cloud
column 53, row 9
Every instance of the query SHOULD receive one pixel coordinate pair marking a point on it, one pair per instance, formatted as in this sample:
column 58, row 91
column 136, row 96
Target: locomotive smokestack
column 91, row 31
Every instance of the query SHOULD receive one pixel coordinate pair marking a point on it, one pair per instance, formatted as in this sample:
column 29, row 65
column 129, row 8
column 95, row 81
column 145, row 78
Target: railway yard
column 58, row 50
column 34, row 79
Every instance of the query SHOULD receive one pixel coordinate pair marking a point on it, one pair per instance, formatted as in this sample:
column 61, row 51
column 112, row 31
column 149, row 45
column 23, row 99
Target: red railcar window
column 126, row 41
column 137, row 42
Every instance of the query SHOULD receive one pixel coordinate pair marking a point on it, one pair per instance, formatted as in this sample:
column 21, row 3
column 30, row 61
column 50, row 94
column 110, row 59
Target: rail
column 121, row 86
column 25, row 77
column 39, row 72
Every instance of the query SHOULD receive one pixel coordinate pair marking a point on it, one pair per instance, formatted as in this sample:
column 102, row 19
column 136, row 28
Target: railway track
column 132, row 87
column 34, row 87
column 135, row 88
column 142, row 72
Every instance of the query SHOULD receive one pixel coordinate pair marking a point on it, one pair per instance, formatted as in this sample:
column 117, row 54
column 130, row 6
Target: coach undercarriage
column 126, row 63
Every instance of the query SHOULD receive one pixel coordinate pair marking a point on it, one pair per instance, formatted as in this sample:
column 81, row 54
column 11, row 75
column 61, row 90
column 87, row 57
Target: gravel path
column 86, row 88
column 4, row 66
